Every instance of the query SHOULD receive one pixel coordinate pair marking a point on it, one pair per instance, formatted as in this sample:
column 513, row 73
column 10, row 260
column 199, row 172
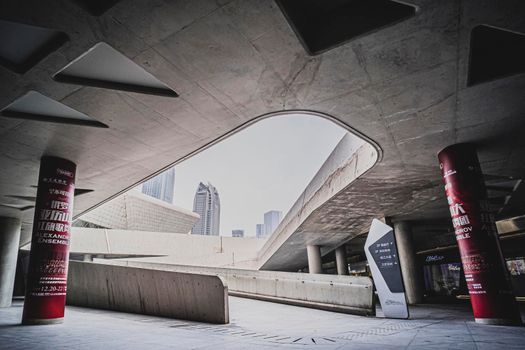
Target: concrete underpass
column 98, row 98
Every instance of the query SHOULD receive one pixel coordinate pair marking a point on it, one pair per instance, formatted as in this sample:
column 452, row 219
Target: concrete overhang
column 404, row 86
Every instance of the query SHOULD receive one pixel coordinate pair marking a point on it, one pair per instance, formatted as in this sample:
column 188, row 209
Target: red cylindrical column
column 487, row 278
column 47, row 276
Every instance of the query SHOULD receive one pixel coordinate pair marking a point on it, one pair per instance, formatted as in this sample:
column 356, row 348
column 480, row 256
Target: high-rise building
column 271, row 221
column 207, row 204
column 259, row 231
column 161, row 186
column 238, row 233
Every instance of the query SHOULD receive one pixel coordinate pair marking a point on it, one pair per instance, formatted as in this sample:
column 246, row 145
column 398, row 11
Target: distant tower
column 271, row 221
column 238, row 233
column 161, row 186
column 259, row 231
column 207, row 204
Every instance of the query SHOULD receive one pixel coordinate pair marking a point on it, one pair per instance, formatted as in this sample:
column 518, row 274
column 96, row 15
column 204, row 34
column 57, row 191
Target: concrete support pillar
column 49, row 256
column 488, row 280
column 314, row 259
column 340, row 261
column 9, row 242
column 410, row 268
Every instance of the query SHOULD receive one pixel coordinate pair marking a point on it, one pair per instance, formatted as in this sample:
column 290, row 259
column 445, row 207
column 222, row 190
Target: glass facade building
column 161, row 186
column 207, row 204
column 271, row 221
column 238, row 233
column 259, row 231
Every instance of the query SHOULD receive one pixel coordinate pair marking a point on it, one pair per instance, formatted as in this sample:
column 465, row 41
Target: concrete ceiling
column 404, row 86
column 414, row 101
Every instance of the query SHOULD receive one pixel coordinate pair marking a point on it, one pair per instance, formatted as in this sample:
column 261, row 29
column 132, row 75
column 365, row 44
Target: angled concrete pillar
column 314, row 259
column 9, row 242
column 340, row 260
column 410, row 268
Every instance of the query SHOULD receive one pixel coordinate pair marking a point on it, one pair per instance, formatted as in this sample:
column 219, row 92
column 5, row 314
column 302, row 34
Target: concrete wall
column 150, row 292
column 348, row 294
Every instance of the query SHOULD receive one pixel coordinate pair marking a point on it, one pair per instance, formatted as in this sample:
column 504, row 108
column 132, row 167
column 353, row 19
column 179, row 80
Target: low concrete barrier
column 195, row 297
column 347, row 294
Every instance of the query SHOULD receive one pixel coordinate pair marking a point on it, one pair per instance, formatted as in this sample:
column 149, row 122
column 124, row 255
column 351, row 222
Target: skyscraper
column 271, row 221
column 259, row 231
column 207, row 204
column 161, row 186
column 238, row 233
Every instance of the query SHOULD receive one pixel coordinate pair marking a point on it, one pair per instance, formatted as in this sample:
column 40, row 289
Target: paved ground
column 260, row 325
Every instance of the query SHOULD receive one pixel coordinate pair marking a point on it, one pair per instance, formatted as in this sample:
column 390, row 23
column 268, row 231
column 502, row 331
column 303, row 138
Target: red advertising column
column 487, row 278
column 47, row 276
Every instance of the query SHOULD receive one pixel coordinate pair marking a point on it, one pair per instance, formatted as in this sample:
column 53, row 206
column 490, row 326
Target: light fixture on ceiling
column 105, row 67
column 35, row 106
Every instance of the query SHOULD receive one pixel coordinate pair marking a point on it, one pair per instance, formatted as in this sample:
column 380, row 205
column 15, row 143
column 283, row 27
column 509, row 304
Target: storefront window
column 516, row 266
column 442, row 279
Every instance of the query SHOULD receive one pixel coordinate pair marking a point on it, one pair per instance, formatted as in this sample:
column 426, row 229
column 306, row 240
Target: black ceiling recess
column 322, row 25
column 96, row 7
column 495, row 53
column 22, row 45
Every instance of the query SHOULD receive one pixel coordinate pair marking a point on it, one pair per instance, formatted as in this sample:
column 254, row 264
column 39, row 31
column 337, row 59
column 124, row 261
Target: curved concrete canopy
column 404, row 86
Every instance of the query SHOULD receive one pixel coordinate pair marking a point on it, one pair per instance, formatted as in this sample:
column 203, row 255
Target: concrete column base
column 410, row 268
column 340, row 261
column 35, row 322
column 314, row 259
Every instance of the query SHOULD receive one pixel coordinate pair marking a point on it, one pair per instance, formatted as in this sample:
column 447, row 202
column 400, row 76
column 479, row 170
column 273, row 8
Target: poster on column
column 48, row 262
column 381, row 253
column 487, row 278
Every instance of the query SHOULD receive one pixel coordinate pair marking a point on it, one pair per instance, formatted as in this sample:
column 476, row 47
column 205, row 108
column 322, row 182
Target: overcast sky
column 263, row 167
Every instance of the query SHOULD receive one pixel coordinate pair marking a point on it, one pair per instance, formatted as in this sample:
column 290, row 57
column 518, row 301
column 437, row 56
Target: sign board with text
column 381, row 253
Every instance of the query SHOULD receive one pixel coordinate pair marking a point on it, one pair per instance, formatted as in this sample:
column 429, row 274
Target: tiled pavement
column 261, row 325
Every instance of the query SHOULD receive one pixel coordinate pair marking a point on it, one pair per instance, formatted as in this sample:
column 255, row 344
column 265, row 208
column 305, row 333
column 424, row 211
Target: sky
column 263, row 167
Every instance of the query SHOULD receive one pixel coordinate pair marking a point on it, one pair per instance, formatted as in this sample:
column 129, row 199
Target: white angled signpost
column 381, row 253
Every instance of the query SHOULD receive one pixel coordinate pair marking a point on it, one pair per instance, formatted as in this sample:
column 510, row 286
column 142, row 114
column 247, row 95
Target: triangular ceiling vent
column 22, row 46
column 36, row 106
column 17, row 206
column 103, row 66
column 31, row 199
column 495, row 53
column 323, row 25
